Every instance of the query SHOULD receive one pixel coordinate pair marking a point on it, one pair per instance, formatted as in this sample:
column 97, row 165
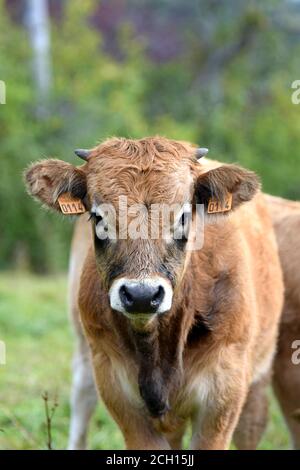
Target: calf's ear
column 225, row 188
column 54, row 182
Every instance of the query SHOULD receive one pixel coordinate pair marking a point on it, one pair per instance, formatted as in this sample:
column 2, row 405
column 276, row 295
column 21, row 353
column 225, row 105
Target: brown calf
column 175, row 334
column 286, row 218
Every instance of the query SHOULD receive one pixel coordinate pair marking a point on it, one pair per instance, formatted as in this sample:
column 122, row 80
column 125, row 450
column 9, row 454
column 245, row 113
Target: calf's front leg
column 214, row 424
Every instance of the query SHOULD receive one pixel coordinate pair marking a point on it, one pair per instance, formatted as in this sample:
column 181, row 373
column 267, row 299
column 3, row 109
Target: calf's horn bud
column 83, row 153
column 201, row 152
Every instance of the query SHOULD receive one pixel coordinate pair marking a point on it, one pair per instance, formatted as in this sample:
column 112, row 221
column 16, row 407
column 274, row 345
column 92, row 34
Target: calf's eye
column 182, row 229
column 96, row 218
column 184, row 219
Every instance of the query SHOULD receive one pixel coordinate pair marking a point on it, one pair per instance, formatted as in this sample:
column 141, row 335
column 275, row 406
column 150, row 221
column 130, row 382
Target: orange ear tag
column 215, row 206
column 70, row 205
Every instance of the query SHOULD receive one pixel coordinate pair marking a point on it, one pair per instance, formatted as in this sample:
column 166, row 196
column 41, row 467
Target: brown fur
column 286, row 217
column 198, row 360
column 286, row 378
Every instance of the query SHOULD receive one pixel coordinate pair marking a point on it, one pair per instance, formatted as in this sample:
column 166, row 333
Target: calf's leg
column 213, row 428
column 286, row 378
column 175, row 438
column 253, row 420
column 83, row 397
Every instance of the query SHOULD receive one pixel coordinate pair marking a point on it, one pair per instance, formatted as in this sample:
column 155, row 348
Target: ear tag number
column 215, row 206
column 70, row 205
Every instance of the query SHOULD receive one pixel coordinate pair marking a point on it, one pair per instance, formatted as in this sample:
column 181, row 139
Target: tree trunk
column 39, row 31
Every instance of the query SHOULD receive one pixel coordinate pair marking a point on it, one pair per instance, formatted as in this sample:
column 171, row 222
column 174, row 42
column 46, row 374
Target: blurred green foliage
column 241, row 110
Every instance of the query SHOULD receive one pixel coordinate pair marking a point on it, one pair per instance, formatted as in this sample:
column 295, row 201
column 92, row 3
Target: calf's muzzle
column 145, row 296
column 141, row 298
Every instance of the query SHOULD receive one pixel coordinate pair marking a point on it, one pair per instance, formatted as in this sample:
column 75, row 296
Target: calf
column 175, row 333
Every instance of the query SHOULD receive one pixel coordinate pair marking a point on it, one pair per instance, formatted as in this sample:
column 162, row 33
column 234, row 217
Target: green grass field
column 39, row 343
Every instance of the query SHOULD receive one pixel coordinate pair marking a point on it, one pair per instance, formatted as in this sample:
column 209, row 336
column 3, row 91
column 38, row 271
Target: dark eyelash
column 185, row 218
column 184, row 221
column 95, row 217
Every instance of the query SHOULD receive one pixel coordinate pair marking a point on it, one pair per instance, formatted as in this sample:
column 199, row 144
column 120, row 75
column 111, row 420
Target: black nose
column 141, row 298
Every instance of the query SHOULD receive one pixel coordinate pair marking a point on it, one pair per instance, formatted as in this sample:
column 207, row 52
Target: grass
column 39, row 343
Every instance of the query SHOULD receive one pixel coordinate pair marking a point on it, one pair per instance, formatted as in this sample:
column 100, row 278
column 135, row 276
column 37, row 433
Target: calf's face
column 141, row 195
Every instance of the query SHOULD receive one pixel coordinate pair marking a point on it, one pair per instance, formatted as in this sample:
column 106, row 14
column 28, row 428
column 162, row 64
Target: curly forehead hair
column 146, row 150
column 149, row 169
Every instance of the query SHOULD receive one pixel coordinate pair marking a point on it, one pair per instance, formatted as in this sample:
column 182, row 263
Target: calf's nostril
column 126, row 297
column 158, row 297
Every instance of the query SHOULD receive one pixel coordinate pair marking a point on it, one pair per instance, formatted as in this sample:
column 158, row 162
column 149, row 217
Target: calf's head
column 141, row 196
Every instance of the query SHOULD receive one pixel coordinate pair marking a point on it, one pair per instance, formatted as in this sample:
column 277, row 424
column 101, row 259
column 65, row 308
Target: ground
column 39, row 342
